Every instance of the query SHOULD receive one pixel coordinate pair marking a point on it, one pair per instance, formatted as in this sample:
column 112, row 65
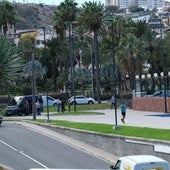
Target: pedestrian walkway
column 133, row 118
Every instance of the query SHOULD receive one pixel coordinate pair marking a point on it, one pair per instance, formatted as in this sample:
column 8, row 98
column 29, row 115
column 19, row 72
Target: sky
column 53, row 2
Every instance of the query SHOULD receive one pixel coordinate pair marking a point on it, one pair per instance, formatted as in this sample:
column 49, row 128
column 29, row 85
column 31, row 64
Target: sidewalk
column 133, row 118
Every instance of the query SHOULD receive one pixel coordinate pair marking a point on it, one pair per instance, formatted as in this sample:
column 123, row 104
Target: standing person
column 58, row 105
column 62, row 106
column 69, row 106
column 112, row 102
column 38, row 107
column 123, row 111
column 26, row 107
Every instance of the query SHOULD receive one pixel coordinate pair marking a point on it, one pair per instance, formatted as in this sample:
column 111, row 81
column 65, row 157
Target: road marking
column 33, row 160
column 8, row 145
column 24, row 154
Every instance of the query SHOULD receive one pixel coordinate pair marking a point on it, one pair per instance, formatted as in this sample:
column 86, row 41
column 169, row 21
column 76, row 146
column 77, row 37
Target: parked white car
column 141, row 162
column 81, row 100
column 51, row 101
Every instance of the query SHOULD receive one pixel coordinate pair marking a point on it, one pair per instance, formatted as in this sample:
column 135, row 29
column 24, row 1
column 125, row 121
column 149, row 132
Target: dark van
column 22, row 105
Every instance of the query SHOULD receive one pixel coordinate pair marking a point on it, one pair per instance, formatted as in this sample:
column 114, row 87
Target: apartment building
column 151, row 4
column 146, row 4
column 112, row 2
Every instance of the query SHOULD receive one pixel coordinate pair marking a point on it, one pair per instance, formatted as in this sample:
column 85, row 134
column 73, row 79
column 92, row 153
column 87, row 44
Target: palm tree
column 39, row 72
column 11, row 63
column 139, row 28
column 91, row 16
column 64, row 16
column 69, row 9
column 7, row 16
column 131, row 56
column 25, row 47
column 82, row 77
column 151, row 42
column 107, row 75
column 66, row 11
column 56, row 53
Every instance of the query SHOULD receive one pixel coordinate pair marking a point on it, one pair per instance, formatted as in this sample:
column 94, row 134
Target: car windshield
column 18, row 99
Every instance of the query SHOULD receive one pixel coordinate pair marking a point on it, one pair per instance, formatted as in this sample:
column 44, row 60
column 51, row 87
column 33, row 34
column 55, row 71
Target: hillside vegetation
column 33, row 15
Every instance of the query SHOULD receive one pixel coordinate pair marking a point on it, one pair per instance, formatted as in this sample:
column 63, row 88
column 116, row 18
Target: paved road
column 36, row 147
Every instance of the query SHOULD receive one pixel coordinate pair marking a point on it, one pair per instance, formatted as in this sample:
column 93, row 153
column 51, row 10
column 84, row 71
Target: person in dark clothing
column 69, row 106
column 13, row 102
column 63, row 106
column 25, row 107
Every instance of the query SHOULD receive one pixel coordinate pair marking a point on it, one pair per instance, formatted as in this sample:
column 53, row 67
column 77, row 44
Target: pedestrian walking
column 123, row 111
column 38, row 107
column 113, row 102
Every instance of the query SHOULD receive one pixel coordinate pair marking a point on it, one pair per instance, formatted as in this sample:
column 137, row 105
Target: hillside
column 33, row 15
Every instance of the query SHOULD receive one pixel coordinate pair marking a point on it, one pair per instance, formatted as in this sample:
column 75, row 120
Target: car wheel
column 7, row 114
column 90, row 102
column 55, row 104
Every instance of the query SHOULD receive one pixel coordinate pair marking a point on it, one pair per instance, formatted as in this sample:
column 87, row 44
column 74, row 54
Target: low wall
column 118, row 145
column 155, row 104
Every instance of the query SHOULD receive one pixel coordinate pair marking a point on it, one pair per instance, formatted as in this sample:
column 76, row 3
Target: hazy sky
column 54, row 2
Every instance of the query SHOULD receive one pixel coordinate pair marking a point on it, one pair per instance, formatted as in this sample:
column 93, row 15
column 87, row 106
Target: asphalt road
column 22, row 149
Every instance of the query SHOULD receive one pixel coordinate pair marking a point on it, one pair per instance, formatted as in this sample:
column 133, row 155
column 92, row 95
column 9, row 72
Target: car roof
column 143, row 158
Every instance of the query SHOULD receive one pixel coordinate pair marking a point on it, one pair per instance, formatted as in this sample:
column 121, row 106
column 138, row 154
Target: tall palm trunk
column 96, row 53
column 54, row 73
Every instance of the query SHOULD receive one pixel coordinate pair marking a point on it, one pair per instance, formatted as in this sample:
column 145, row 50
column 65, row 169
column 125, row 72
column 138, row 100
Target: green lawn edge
column 131, row 131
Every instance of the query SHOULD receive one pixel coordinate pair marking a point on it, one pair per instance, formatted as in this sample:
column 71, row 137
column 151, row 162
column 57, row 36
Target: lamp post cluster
column 45, row 57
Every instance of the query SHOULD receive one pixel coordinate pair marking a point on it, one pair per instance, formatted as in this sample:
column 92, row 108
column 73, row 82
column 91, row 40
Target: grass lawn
column 143, row 132
column 82, row 107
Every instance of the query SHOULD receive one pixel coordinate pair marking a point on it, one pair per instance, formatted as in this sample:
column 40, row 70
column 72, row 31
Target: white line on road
column 21, row 152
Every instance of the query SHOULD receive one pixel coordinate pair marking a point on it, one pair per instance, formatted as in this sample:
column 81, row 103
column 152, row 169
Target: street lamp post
column 163, row 64
column 114, row 71
column 46, row 85
column 92, row 70
column 70, row 27
column 33, row 69
column 33, row 85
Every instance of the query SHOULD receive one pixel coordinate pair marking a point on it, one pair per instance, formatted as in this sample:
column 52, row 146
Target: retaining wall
column 118, row 145
column 155, row 104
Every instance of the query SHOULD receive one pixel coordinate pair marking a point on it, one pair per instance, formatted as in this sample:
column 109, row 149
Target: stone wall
column 117, row 145
column 155, row 104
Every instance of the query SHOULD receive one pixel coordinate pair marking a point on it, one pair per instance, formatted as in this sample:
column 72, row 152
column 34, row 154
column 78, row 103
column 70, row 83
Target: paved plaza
column 133, row 118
